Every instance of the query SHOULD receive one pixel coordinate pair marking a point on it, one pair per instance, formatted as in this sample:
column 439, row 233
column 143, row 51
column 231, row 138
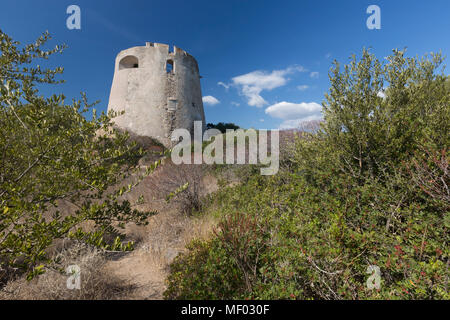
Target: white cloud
column 314, row 74
column 288, row 110
column 294, row 113
column 252, row 84
column 303, row 87
column 210, row 100
column 236, row 104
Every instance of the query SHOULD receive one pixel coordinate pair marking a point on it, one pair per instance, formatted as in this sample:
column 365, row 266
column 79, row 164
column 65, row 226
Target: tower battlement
column 158, row 89
column 163, row 46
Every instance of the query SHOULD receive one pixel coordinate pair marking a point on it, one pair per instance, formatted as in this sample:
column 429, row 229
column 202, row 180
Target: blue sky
column 265, row 62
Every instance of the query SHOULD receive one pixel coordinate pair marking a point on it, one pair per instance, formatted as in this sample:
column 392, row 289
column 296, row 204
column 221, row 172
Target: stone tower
column 159, row 91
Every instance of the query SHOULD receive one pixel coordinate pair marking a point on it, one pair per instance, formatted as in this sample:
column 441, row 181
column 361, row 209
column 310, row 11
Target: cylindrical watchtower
column 159, row 91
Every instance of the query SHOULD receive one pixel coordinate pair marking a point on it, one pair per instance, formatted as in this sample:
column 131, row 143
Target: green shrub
column 207, row 272
column 54, row 159
column 369, row 189
column 295, row 241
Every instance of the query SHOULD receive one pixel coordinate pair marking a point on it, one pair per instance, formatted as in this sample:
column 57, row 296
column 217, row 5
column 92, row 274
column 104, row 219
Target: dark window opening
column 129, row 62
column 169, row 66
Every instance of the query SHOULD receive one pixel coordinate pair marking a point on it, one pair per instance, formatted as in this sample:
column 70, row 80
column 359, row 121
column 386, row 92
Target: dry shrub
column 432, row 174
column 52, row 285
column 170, row 185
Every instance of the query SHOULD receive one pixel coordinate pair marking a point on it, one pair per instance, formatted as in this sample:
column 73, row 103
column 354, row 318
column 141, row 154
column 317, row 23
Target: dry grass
column 96, row 284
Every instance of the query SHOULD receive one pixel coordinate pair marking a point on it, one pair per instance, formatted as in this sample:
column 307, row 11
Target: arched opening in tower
column 169, row 66
column 129, row 62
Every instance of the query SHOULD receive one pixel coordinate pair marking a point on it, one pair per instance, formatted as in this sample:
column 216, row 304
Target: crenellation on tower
column 159, row 91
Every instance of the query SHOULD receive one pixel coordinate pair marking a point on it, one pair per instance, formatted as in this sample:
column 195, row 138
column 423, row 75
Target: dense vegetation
column 370, row 188
column 221, row 126
column 56, row 166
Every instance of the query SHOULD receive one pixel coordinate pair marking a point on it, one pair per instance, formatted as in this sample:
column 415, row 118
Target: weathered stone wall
column 156, row 101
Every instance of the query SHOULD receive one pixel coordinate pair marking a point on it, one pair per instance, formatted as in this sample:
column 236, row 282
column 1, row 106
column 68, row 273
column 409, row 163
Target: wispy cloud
column 314, row 74
column 303, row 87
column 210, row 100
column 226, row 86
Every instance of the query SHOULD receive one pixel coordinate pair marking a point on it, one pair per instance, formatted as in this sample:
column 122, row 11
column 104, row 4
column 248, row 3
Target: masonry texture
column 159, row 91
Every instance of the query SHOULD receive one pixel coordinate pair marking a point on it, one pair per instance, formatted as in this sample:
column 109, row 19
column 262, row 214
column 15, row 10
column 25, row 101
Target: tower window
column 129, row 62
column 169, row 66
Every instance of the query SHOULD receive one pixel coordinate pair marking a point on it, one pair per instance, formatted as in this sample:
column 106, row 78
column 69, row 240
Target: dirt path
column 146, row 268
column 140, row 271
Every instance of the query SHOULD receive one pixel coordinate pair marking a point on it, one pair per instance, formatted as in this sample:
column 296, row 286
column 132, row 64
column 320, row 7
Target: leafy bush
column 206, row 273
column 52, row 157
